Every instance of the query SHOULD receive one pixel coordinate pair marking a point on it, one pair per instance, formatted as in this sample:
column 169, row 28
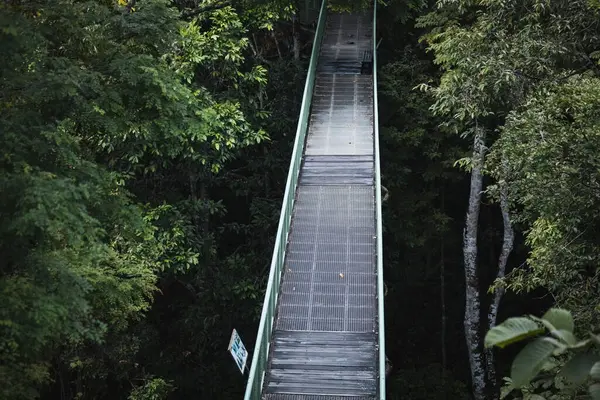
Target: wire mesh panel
column 341, row 120
column 329, row 279
column 325, row 340
column 347, row 38
column 337, row 170
column 283, row 396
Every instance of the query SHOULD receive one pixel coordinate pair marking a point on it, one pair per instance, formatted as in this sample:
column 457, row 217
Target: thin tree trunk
column 194, row 195
column 507, row 246
column 193, row 185
column 276, row 45
column 472, row 301
column 63, row 394
column 443, row 300
column 296, row 38
column 204, row 199
column 266, row 174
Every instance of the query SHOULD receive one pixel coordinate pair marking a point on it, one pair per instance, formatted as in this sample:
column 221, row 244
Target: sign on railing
column 238, row 351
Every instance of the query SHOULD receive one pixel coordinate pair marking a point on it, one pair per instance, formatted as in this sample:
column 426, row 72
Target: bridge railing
column 378, row 216
column 265, row 328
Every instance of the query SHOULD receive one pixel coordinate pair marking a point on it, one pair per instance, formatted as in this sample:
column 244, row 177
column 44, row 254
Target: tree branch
column 507, row 246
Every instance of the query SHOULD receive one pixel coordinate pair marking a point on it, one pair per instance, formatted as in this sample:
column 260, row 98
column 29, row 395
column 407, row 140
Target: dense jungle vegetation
column 144, row 148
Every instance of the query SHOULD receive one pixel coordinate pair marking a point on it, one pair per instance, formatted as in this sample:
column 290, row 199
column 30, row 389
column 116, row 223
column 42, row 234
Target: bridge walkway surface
column 324, row 306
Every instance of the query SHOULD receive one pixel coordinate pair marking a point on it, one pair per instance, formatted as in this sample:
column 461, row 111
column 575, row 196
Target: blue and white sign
column 238, row 351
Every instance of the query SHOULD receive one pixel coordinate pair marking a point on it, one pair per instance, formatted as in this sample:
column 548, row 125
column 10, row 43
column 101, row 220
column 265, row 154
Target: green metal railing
column 265, row 328
column 378, row 216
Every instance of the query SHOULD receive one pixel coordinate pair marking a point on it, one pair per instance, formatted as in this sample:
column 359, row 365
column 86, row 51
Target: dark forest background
column 143, row 157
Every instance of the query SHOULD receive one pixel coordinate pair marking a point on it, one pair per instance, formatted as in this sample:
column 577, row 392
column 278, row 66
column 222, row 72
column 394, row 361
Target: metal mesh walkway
column 325, row 338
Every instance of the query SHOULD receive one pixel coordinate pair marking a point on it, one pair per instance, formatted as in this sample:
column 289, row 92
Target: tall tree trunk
column 276, row 45
column 507, row 246
column 472, row 301
column 194, row 194
column 204, row 199
column 296, row 38
column 443, row 299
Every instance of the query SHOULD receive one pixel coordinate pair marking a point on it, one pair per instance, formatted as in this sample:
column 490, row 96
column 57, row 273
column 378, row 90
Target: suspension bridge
column 321, row 333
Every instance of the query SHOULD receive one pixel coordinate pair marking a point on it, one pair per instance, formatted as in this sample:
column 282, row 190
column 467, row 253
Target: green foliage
column 530, row 361
column 153, row 389
column 559, row 319
column 553, row 138
column 526, row 73
column 510, row 331
column 571, row 364
column 351, row 6
column 116, row 123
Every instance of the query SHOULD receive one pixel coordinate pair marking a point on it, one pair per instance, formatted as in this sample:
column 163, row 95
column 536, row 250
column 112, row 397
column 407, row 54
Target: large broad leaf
column 530, row 361
column 595, row 391
column 566, row 336
column 510, row 331
column 577, row 369
column 560, row 319
column 595, row 371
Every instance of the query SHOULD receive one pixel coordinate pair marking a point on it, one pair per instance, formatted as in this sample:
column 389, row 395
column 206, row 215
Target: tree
column 110, row 118
column 495, row 56
column 552, row 138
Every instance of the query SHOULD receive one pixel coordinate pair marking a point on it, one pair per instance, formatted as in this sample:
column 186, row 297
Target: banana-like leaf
column 566, row 336
column 530, row 361
column 577, row 369
column 560, row 319
column 595, row 371
column 595, row 391
column 510, row 331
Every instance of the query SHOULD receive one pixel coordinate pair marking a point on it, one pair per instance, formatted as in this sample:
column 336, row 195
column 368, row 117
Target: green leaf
column 595, row 391
column 577, row 369
column 566, row 336
column 535, row 397
column 510, row 331
column 530, row 361
column 560, row 319
column 595, row 371
column 505, row 391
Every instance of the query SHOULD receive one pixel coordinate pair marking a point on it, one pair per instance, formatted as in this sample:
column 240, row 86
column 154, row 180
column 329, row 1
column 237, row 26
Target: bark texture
column 443, row 298
column 472, row 300
column 507, row 246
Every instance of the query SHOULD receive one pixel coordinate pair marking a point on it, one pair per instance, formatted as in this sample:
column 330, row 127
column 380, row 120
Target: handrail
column 379, row 218
column 265, row 328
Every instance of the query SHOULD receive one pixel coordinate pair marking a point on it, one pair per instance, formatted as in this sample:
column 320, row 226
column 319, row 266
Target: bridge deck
column 324, row 343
